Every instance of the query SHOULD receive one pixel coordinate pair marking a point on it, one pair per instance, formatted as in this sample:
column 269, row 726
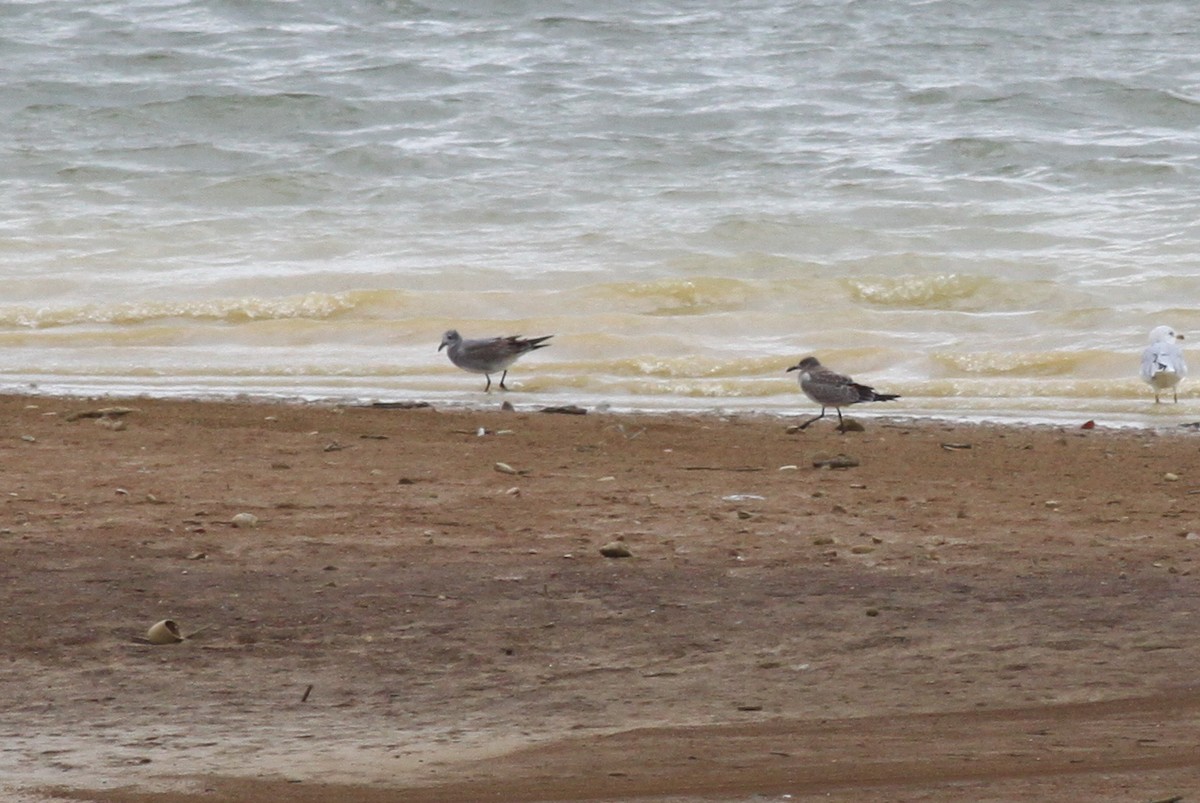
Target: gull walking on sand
column 1162, row 362
column 487, row 355
column 830, row 389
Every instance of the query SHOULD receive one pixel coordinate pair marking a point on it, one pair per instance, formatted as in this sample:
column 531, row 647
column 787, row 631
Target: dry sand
column 970, row 613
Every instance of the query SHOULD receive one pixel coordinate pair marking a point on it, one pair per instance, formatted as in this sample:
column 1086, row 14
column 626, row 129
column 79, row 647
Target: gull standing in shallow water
column 830, row 389
column 487, row 355
column 1162, row 361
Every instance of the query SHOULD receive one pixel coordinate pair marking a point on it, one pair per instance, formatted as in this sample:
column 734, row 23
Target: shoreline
column 527, row 403
column 962, row 610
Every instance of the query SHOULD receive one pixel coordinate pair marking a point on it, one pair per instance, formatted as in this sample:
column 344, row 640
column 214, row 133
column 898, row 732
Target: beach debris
column 953, row 447
column 744, row 514
column 630, row 435
column 333, row 446
column 101, row 412
column 838, row 461
column 307, row 691
column 1171, row 476
column 245, row 520
column 505, row 468
column 29, row 439
column 401, row 405
column 743, row 498
column 566, row 409
column 1088, row 425
column 851, row 425
column 507, row 407
column 164, row 632
column 790, row 467
column 616, row 549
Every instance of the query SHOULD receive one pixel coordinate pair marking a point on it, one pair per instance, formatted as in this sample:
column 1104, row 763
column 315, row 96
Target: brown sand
column 971, row 613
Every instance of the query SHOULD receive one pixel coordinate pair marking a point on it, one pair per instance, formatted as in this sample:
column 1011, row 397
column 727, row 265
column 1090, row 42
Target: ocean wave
column 930, row 291
column 693, row 296
column 313, row 306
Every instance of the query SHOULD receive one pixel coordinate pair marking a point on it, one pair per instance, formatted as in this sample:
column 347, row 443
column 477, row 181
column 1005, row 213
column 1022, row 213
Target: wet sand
column 420, row 609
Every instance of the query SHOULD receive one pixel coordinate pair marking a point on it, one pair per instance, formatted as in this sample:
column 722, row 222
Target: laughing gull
column 1162, row 361
column 487, row 355
column 830, row 389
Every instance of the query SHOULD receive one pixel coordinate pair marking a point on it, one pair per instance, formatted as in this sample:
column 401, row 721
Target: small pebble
column 244, row 520
column 615, row 550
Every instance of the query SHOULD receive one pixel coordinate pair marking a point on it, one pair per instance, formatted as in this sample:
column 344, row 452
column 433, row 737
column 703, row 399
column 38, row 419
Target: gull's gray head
column 807, row 364
column 1163, row 334
column 450, row 338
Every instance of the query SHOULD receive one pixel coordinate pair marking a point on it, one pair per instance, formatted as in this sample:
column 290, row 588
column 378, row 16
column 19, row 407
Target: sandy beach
column 450, row 605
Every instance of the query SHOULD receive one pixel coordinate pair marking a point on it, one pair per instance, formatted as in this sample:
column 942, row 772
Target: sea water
column 983, row 207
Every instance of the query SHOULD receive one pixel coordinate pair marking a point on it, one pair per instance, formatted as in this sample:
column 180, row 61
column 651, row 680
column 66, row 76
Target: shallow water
column 982, row 208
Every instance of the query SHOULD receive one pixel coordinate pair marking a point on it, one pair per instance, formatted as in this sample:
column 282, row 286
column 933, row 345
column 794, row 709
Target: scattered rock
column 568, row 409
column 851, row 425
column 401, row 405
column 616, row 549
column 244, row 520
column 837, row 461
column 1171, row 476
column 102, row 412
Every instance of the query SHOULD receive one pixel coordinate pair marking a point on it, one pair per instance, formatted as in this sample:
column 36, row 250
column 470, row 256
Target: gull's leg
column 502, row 385
column 841, row 423
column 817, row 418
column 488, row 386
